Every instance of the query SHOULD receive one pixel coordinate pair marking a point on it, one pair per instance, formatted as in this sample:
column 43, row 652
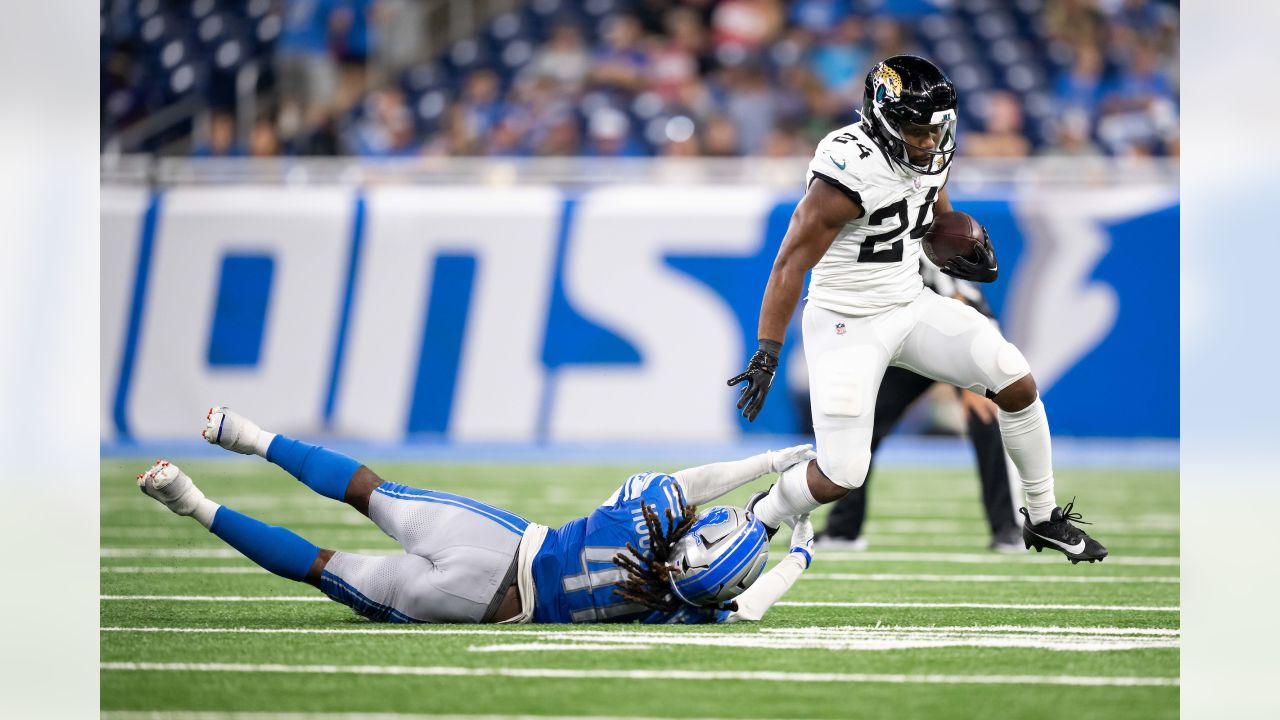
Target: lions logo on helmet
column 721, row 555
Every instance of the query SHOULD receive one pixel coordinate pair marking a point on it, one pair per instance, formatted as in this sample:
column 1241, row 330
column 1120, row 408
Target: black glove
column 758, row 376
column 984, row 270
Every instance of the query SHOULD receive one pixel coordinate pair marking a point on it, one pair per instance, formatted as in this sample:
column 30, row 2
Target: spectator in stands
column 740, row 27
column 563, row 59
column 620, row 66
column 480, row 107
column 354, row 40
column 1073, row 22
column 890, row 38
column 677, row 59
column 539, row 105
column 786, row 140
column 681, row 138
column 386, row 129
column 1139, row 112
column 719, row 137
column 1001, row 135
column 263, row 140
column 842, row 59
column 819, row 16
column 1080, row 88
column 1069, row 137
column 221, row 140
column 610, row 135
column 562, row 136
column 738, row 69
column 750, row 104
column 304, row 67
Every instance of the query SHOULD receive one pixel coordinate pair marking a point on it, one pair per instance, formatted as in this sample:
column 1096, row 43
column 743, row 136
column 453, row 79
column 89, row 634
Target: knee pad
column 845, row 466
column 998, row 358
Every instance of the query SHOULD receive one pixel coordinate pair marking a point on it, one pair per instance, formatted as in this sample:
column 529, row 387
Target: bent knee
column 1018, row 395
column 845, row 467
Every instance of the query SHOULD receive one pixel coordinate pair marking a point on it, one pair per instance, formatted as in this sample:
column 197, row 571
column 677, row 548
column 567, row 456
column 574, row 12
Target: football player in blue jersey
column 645, row 555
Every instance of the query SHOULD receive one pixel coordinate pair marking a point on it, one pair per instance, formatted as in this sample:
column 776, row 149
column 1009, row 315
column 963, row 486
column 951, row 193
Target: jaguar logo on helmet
column 909, row 110
column 888, row 83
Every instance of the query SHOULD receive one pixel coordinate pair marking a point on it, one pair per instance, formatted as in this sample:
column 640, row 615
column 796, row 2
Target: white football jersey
column 874, row 262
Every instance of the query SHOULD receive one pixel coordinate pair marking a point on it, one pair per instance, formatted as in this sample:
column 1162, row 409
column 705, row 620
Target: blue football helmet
column 723, row 552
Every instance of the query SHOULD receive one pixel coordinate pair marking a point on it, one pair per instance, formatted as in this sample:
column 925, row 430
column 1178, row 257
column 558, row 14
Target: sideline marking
column 267, row 715
column 981, row 606
column 1027, row 558
column 832, row 555
column 587, row 630
column 810, row 576
column 895, row 577
column 849, row 638
column 975, row 606
column 663, row 675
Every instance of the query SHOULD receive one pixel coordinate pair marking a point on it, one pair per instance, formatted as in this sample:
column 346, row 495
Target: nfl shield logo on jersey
column 839, row 328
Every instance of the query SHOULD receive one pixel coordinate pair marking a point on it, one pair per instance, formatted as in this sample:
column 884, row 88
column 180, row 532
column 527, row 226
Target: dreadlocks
column 649, row 583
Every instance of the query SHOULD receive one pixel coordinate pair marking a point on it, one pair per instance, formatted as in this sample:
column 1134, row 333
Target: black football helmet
column 908, row 95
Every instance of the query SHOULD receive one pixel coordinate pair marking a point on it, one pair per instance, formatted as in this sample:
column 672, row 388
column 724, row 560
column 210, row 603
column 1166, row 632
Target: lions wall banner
column 531, row 314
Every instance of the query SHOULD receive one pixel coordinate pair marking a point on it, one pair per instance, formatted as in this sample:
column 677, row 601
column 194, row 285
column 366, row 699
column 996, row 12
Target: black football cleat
column 751, row 508
column 1057, row 533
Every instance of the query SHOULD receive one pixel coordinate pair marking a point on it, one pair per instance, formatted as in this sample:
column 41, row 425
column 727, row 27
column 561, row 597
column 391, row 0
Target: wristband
column 773, row 348
column 808, row 558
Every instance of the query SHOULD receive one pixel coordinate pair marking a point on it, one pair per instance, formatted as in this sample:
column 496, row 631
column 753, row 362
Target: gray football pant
column 459, row 559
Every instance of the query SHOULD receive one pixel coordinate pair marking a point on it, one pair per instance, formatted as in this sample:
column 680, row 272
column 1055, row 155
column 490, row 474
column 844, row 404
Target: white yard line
column 182, row 570
column 213, row 552
column 810, row 576
column 201, row 715
column 216, row 598
column 1155, row 526
column 896, row 577
column 1027, row 558
column 1075, row 639
column 613, row 634
column 216, row 553
column 975, row 606
column 984, row 606
column 660, row 675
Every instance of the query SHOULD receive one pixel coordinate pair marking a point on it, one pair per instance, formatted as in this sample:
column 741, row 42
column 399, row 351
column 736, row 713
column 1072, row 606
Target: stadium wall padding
column 532, row 314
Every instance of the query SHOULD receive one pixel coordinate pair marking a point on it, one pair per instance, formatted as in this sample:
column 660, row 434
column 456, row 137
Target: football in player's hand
column 952, row 234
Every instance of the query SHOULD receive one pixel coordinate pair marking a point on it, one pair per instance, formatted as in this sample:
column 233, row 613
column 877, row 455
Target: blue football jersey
column 575, row 573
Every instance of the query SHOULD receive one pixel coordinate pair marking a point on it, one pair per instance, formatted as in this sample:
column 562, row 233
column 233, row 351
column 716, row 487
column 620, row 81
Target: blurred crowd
column 695, row 77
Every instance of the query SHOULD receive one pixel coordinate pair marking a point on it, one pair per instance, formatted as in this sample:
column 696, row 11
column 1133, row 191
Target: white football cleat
column 172, row 487
column 235, row 432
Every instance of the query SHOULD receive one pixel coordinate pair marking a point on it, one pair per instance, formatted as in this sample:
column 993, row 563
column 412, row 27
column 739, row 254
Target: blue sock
column 276, row 549
column 325, row 471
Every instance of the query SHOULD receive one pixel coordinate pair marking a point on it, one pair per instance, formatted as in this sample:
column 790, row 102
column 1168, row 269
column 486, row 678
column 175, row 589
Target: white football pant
column 937, row 337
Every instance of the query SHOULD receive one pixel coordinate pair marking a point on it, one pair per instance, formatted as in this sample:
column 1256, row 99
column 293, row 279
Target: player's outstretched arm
column 822, row 212
column 708, row 482
column 756, row 600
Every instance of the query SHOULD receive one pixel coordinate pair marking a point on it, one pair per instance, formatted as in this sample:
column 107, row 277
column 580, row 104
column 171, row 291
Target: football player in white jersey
column 872, row 190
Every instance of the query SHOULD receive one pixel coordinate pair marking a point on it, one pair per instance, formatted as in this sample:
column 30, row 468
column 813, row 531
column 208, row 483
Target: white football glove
column 235, row 432
column 802, row 538
column 780, row 460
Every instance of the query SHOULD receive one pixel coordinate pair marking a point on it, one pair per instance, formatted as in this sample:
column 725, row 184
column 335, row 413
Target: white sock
column 262, row 442
column 204, row 512
column 789, row 497
column 1026, row 439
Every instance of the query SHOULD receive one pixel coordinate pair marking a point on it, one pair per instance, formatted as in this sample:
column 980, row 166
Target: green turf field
column 926, row 623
